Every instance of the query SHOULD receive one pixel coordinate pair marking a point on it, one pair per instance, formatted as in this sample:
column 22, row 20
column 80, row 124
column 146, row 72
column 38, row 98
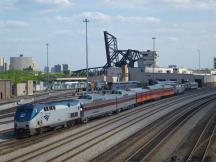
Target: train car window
column 76, row 114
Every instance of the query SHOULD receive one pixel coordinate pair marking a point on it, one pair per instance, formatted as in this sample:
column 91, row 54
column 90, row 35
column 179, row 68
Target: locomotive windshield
column 24, row 113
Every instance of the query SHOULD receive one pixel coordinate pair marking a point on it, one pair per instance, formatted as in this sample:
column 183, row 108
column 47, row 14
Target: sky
column 181, row 28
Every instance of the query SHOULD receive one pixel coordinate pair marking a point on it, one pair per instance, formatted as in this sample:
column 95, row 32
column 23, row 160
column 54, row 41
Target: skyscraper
column 65, row 67
column 2, row 69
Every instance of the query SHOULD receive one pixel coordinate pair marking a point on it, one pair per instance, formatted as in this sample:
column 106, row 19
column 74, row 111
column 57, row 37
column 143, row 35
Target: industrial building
column 21, row 63
column 5, row 89
column 148, row 78
column 148, row 60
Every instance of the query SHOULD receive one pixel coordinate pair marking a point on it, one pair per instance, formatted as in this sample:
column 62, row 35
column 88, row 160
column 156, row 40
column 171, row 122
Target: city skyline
column 181, row 28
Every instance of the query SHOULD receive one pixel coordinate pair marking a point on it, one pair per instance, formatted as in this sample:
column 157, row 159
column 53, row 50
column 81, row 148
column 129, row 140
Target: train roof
column 138, row 90
column 124, row 82
column 51, row 103
column 60, row 102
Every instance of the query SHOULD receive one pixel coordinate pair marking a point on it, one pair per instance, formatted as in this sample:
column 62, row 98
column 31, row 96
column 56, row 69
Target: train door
column 40, row 120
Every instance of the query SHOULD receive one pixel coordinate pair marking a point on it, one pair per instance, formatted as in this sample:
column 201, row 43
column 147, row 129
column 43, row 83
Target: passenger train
column 33, row 119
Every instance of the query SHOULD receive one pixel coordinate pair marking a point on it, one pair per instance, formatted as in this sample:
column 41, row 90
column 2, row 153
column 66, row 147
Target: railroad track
column 6, row 115
column 34, row 153
column 140, row 144
column 6, row 122
column 200, row 149
column 113, row 119
column 146, row 150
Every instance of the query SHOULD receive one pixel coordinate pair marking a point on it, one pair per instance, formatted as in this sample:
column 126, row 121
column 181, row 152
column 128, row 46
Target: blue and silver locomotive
column 35, row 118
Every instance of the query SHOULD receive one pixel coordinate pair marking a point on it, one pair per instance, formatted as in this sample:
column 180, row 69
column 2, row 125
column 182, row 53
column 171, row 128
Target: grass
column 18, row 76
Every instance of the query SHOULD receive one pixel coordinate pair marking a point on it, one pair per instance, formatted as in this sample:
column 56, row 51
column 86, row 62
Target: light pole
column 199, row 58
column 47, row 47
column 154, row 52
column 87, row 73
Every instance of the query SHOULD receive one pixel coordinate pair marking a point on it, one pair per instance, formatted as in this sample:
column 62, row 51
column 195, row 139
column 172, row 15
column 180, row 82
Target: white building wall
column 21, row 89
column 20, row 63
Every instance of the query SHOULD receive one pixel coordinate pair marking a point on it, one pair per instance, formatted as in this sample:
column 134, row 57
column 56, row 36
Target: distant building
column 21, row 63
column 5, row 89
column 172, row 66
column 23, row 89
column 1, row 61
column 52, row 70
column 46, row 69
column 58, row 68
column 214, row 62
column 3, row 65
column 65, row 67
column 149, row 59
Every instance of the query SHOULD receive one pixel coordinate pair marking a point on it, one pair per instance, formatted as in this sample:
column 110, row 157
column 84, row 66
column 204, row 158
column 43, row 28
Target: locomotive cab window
column 49, row 108
column 46, row 108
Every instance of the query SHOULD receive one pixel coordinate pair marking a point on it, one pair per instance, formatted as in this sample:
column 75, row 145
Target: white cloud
column 138, row 19
column 65, row 32
column 191, row 4
column 98, row 16
column 55, row 2
column 185, row 4
column 13, row 23
column 95, row 16
column 173, row 39
column 152, row 20
column 124, row 3
column 8, row 5
column 170, row 30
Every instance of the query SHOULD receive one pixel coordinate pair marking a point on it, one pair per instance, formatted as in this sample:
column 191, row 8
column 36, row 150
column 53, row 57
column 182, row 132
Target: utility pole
column 87, row 73
column 199, row 57
column 154, row 52
column 47, row 47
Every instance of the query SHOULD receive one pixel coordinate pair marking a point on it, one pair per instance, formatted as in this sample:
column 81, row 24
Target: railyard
column 151, row 98
column 169, row 129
